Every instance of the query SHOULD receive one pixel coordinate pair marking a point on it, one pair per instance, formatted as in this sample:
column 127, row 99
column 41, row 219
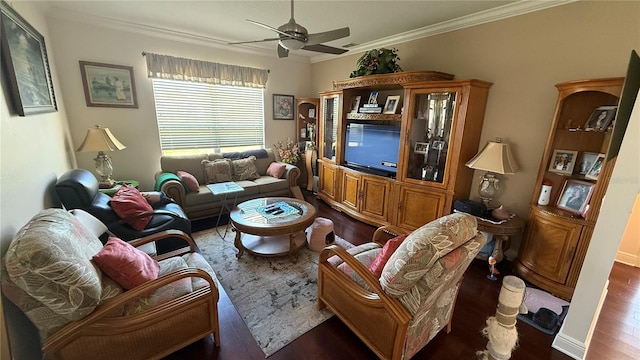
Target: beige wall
column 524, row 57
column 629, row 250
column 136, row 128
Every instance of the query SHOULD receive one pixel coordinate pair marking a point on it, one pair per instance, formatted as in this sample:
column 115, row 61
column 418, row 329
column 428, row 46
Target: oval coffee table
column 267, row 234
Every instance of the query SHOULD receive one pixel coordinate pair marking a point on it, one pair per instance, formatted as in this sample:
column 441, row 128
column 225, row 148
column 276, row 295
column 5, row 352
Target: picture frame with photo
column 283, row 107
column 575, row 196
column 421, row 147
column 601, row 118
column 437, row 145
column 108, row 85
column 30, row 87
column 585, row 162
column 563, row 161
column 391, row 104
column 312, row 113
column 595, row 169
column 373, row 98
column 355, row 104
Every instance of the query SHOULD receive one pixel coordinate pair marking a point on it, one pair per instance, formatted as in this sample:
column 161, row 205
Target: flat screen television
column 372, row 148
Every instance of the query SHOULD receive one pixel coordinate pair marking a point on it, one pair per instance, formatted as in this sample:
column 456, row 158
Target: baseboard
column 568, row 345
column 627, row 258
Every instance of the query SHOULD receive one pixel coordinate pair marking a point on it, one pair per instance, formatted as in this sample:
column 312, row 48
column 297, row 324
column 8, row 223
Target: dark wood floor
column 477, row 300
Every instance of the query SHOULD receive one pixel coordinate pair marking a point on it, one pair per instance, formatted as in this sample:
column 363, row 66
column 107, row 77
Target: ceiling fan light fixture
column 291, row 44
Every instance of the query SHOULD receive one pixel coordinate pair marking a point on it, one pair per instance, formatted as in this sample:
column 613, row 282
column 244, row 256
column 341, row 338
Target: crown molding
column 168, row 34
column 503, row 12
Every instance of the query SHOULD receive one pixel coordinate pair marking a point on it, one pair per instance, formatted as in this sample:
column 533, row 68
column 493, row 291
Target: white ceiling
column 371, row 21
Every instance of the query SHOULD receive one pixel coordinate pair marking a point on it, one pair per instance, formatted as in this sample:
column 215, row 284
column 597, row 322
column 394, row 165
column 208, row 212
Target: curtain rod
column 144, row 53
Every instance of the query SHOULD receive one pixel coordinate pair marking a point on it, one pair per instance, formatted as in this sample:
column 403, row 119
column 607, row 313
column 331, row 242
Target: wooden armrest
column 356, row 265
column 384, row 233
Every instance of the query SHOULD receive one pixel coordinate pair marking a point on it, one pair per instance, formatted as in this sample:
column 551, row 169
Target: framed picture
column 421, row 147
column 595, row 169
column 355, row 104
column 25, row 61
column 373, row 98
column 392, row 104
column 575, row 196
column 107, row 85
column 282, row 107
column 600, row 118
column 586, row 161
column 312, row 113
column 437, row 145
column 563, row 161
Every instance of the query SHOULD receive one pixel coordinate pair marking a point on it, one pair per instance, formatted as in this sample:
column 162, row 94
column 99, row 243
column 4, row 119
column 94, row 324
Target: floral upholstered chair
column 55, row 270
column 397, row 297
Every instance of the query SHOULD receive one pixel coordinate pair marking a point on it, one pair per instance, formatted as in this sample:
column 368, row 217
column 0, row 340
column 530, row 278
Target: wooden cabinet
column 558, row 234
column 415, row 178
column 328, row 174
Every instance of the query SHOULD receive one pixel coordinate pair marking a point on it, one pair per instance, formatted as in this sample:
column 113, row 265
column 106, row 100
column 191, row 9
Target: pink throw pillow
column 125, row 264
column 383, row 256
column 276, row 170
column 128, row 201
column 189, row 180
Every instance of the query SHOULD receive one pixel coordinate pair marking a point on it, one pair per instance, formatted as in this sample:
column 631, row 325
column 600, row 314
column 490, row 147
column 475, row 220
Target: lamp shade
column 495, row 157
column 100, row 139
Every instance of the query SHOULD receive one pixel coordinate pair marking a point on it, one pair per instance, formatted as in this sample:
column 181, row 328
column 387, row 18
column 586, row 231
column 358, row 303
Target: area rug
column 275, row 297
column 542, row 307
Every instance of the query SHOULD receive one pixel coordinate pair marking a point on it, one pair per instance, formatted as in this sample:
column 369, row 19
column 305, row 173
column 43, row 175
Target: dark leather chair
column 78, row 189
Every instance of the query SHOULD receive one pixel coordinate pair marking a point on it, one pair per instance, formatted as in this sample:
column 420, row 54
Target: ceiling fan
column 292, row 36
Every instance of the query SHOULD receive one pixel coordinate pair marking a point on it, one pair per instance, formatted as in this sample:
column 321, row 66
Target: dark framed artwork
column 601, row 118
column 26, row 66
column 282, row 107
column 107, row 85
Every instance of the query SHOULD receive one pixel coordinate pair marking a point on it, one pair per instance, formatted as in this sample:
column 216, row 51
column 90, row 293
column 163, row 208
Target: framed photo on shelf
column 421, row 147
column 312, row 113
column 563, row 161
column 282, row 107
column 107, row 85
column 373, row 98
column 392, row 104
column 25, row 60
column 575, row 196
column 601, row 118
column 585, row 162
column 437, row 145
column 595, row 169
column 355, row 104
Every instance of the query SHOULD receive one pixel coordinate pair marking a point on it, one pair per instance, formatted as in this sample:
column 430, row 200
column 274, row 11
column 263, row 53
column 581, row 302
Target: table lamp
column 494, row 158
column 101, row 139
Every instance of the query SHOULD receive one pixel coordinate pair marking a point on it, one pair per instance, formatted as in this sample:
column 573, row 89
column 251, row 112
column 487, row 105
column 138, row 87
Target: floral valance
column 175, row 68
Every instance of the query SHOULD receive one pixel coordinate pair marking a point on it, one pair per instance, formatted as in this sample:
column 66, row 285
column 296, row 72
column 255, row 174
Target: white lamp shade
column 495, row 157
column 100, row 139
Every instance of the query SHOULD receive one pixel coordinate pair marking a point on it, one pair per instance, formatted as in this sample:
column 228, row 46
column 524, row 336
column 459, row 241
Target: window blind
column 195, row 116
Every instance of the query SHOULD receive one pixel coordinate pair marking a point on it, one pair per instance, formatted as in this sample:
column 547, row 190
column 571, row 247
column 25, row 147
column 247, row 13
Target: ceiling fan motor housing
column 298, row 35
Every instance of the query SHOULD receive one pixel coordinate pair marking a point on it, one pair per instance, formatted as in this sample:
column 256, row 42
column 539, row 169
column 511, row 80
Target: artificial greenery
column 377, row 61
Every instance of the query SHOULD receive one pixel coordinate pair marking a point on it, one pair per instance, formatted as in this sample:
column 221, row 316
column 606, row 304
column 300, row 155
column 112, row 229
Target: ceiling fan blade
column 282, row 52
column 252, row 41
column 324, row 49
column 326, row 36
column 271, row 28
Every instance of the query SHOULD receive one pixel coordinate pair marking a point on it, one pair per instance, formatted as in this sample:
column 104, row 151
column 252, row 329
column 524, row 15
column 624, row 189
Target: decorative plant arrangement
column 289, row 151
column 377, row 61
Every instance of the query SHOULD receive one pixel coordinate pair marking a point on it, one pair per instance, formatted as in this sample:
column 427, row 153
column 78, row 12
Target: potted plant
column 377, row 61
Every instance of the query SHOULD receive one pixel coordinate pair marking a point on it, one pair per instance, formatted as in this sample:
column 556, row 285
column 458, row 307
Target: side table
column 113, row 190
column 224, row 189
column 502, row 234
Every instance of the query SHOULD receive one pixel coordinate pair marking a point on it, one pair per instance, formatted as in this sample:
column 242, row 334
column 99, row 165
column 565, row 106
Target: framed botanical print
column 25, row 60
column 107, row 85
column 282, row 107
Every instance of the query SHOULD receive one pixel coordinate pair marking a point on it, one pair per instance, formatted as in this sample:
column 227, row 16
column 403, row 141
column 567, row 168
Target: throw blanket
column 164, row 177
column 258, row 153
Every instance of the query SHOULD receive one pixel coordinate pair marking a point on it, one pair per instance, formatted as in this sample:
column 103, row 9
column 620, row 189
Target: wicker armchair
column 399, row 313
column 83, row 314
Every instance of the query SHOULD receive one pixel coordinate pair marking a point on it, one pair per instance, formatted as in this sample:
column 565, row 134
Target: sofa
column 185, row 178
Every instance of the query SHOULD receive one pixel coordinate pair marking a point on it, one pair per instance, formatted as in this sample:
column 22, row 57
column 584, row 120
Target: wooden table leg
column 293, row 249
column 238, row 244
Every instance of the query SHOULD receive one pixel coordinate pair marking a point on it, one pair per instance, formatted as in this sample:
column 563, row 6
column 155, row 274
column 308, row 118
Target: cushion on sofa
column 217, row 171
column 189, row 180
column 245, row 169
column 128, row 266
column 189, row 163
column 276, row 169
column 383, row 257
column 422, row 248
column 128, row 201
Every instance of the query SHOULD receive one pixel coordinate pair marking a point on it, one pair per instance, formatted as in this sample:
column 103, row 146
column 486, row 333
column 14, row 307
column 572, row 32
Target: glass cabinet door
column 430, row 134
column 330, row 122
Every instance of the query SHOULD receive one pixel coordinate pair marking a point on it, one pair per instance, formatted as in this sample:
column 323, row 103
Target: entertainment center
column 393, row 147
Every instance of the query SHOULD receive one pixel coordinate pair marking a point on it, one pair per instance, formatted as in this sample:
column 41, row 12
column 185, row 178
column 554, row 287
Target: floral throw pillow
column 245, row 169
column 217, row 171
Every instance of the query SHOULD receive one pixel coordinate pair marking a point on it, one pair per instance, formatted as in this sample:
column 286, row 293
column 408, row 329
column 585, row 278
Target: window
column 197, row 117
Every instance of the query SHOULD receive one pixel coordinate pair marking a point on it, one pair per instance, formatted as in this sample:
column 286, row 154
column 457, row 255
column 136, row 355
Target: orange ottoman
column 320, row 234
